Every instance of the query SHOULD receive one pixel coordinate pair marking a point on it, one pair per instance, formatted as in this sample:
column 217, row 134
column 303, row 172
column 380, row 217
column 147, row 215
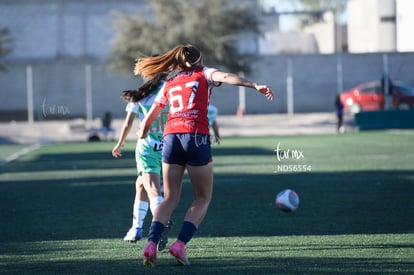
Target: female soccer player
column 186, row 138
column 212, row 113
column 147, row 156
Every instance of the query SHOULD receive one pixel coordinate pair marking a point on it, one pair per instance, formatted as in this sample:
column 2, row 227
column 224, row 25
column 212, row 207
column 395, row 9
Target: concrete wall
column 51, row 29
column 47, row 29
column 60, row 85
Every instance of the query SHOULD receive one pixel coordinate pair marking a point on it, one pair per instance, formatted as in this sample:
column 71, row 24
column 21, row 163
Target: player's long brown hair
column 145, row 90
column 182, row 57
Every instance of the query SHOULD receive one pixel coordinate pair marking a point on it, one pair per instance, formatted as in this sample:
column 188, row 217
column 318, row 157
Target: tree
column 211, row 25
column 5, row 44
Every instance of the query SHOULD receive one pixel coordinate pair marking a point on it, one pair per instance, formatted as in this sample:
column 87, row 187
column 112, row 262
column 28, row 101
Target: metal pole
column 29, row 87
column 88, row 92
column 339, row 75
column 289, row 88
column 386, row 82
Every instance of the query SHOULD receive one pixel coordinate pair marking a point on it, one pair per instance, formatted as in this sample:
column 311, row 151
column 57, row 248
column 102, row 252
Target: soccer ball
column 287, row 200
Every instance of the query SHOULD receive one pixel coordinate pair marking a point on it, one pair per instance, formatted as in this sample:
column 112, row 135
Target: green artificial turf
column 66, row 207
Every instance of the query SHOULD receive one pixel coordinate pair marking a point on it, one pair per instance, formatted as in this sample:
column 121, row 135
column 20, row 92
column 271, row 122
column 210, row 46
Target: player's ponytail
column 145, row 90
column 185, row 57
column 149, row 67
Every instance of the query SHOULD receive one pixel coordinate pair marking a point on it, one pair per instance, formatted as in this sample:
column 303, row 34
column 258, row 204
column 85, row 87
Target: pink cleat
column 150, row 254
column 178, row 250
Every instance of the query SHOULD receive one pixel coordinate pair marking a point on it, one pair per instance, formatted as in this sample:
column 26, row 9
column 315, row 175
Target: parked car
column 369, row 96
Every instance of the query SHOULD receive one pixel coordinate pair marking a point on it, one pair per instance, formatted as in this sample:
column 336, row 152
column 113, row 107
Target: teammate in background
column 147, row 156
column 212, row 113
column 187, row 143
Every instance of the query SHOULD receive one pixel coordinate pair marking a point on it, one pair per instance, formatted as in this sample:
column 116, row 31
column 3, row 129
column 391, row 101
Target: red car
column 368, row 96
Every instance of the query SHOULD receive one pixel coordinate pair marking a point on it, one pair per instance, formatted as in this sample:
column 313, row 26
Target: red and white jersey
column 188, row 95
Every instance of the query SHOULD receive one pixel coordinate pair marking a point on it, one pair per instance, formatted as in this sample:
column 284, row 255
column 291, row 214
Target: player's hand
column 116, row 152
column 141, row 133
column 266, row 91
column 217, row 139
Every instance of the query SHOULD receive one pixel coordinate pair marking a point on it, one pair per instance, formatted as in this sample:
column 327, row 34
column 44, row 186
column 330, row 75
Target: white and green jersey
column 149, row 150
column 212, row 113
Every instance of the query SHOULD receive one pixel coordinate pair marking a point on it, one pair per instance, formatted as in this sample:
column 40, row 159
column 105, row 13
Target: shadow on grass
column 53, row 226
column 97, row 207
column 243, row 205
column 71, row 208
column 72, row 161
column 104, row 160
column 330, row 203
column 305, row 265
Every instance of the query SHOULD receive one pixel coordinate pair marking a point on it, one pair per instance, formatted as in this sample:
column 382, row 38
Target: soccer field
column 66, row 207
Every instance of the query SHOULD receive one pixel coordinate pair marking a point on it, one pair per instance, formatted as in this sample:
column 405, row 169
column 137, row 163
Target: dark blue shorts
column 191, row 149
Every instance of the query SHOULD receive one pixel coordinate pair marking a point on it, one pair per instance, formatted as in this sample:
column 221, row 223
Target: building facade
column 380, row 26
column 56, row 29
column 58, row 40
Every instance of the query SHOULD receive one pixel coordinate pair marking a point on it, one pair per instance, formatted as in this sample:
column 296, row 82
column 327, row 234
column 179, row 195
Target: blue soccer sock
column 155, row 232
column 186, row 232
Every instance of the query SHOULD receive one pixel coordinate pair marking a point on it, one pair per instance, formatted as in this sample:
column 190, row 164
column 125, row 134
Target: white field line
column 20, row 153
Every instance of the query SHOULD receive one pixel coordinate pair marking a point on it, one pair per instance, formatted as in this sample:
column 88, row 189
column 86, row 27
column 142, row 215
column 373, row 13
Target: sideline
column 20, row 153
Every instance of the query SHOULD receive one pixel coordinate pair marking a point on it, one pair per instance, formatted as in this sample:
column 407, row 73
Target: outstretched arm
column 126, row 128
column 147, row 121
column 234, row 79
